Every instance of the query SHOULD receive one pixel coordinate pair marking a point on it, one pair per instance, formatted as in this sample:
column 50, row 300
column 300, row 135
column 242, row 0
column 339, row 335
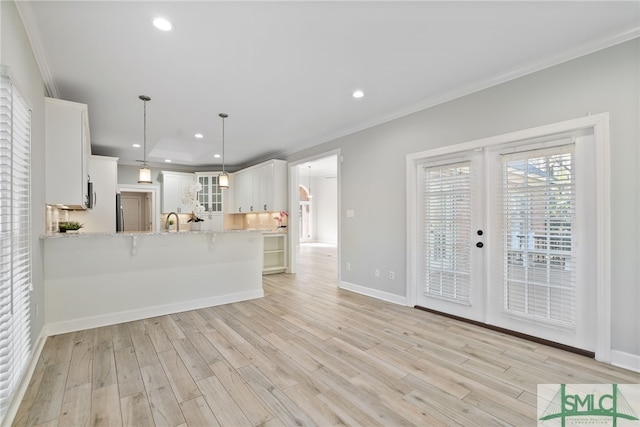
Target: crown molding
column 31, row 28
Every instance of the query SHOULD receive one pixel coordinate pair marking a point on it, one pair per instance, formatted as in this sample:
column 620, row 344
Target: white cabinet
column 173, row 186
column 67, row 149
column 261, row 188
column 275, row 253
column 102, row 217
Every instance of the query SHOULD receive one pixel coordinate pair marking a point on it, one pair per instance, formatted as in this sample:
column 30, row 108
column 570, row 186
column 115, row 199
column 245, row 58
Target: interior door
column 132, row 207
column 451, row 235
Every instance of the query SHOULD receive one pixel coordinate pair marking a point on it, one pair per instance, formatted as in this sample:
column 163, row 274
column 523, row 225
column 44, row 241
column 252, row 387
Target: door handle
column 479, row 245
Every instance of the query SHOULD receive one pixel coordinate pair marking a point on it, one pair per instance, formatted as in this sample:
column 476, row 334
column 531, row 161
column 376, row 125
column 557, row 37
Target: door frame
column 599, row 123
column 153, row 208
column 294, row 202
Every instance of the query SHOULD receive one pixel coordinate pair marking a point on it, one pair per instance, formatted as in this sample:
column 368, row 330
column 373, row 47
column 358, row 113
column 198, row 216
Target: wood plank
column 81, row 365
column 76, row 406
column 247, row 400
column 182, row 384
column 136, row 410
column 48, row 401
column 104, row 362
column 222, row 404
column 128, row 372
column 195, row 364
column 164, row 405
column 197, row 413
column 105, row 407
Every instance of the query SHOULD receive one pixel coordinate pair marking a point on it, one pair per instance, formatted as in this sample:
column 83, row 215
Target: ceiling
column 285, row 71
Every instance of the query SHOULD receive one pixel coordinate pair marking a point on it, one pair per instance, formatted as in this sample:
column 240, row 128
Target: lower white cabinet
column 275, row 253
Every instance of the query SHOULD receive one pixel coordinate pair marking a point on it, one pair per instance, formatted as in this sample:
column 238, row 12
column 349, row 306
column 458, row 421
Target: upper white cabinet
column 173, row 186
column 102, row 217
column 68, row 147
column 261, row 188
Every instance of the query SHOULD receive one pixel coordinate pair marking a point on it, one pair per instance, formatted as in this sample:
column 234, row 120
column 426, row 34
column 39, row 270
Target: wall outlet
column 348, row 266
column 392, row 275
column 376, row 272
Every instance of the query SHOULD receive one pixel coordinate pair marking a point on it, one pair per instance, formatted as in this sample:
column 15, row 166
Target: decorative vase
column 196, row 226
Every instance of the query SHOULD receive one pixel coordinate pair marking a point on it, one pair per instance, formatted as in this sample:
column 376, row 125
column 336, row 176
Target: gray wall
column 373, row 169
column 16, row 54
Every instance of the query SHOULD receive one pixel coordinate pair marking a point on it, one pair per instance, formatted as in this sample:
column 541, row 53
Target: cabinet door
column 244, row 192
column 173, row 185
column 67, row 149
column 102, row 218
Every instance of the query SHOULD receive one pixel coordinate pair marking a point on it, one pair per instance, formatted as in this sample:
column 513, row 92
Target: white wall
column 605, row 81
column 325, row 209
column 16, row 53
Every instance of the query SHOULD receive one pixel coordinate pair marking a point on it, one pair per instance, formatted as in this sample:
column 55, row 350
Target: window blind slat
column 539, row 222
column 15, row 240
column 447, row 231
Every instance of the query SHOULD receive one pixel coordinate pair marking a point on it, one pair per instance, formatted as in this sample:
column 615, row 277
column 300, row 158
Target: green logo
column 587, row 404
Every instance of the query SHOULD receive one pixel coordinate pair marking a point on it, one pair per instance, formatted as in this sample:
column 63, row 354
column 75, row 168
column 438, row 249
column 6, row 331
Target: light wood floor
column 306, row 354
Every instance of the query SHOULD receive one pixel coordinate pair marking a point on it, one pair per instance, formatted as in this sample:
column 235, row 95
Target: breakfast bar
column 98, row 279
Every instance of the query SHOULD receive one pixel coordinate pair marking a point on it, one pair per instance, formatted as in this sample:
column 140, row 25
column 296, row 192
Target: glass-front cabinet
column 211, row 194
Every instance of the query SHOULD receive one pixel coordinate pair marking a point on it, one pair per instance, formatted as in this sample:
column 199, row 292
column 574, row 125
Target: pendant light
column 145, row 171
column 223, row 178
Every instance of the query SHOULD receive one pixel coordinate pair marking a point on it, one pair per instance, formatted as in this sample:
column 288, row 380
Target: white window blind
column 539, row 204
column 15, row 239
column 447, row 231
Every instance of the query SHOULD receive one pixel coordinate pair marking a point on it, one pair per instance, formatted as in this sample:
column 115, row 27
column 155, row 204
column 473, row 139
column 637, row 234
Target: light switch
column 350, row 213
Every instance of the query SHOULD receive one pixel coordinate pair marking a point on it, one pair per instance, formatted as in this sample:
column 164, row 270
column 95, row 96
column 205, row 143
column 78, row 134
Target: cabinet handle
column 265, row 207
column 240, row 209
column 251, row 208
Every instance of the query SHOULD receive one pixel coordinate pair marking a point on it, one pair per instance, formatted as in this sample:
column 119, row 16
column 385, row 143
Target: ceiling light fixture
column 167, row 160
column 198, row 135
column 162, row 24
column 223, row 178
column 358, row 94
column 145, row 171
column 217, row 156
column 135, row 145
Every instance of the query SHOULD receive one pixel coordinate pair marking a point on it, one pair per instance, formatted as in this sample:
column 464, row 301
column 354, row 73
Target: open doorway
column 137, row 209
column 314, row 213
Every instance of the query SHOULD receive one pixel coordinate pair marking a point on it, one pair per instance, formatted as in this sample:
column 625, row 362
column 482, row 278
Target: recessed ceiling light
column 167, row 160
column 198, row 135
column 135, row 145
column 217, row 156
column 358, row 94
column 162, row 24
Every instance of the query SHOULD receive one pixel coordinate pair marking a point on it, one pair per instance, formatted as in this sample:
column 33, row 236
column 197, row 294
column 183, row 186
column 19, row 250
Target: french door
column 506, row 237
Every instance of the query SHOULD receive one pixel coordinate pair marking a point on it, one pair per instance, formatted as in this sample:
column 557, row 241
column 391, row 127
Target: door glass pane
column 539, row 207
column 447, row 232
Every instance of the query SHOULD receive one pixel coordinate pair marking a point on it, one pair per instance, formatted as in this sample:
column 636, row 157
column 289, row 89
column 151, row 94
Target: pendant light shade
column 223, row 178
column 145, row 171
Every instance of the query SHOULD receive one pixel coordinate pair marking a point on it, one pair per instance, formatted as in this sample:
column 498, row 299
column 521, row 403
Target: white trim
column 625, row 360
column 374, row 293
column 600, row 124
column 147, row 312
column 13, row 407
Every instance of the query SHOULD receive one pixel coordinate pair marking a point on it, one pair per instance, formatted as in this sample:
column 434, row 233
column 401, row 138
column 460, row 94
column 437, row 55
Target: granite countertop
column 142, row 233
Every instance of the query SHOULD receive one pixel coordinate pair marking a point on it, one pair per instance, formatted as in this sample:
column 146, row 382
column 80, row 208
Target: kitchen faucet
column 166, row 225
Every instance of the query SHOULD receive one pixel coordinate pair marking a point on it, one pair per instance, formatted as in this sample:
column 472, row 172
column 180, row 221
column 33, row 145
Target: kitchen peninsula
column 97, row 279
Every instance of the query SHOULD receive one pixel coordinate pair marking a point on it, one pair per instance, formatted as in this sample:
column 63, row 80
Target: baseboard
column 12, row 410
column 625, row 360
column 144, row 313
column 374, row 293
